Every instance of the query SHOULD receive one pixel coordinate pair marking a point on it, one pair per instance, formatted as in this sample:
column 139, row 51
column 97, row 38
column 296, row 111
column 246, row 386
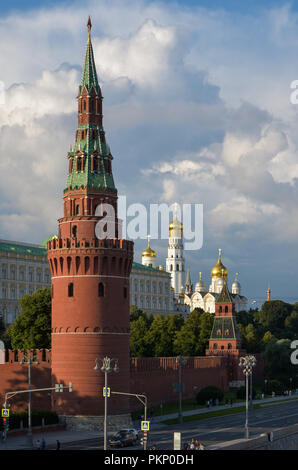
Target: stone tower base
column 95, row 423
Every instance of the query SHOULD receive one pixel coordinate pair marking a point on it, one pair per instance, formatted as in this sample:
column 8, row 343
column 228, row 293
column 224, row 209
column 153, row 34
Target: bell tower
column 90, row 266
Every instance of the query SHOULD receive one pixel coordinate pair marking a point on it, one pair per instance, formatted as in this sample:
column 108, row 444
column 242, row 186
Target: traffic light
column 5, row 422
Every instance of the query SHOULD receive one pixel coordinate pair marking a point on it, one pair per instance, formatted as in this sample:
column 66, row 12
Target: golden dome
column 219, row 270
column 149, row 252
column 175, row 227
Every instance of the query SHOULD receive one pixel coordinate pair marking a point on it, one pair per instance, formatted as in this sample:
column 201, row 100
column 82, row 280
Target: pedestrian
column 57, row 445
column 202, row 447
column 192, row 445
column 38, row 444
column 197, row 444
column 43, row 444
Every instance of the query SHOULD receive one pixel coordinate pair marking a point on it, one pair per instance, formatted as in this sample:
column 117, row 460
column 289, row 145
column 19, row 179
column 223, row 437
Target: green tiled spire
column 224, row 328
column 224, row 296
column 90, row 142
column 89, row 75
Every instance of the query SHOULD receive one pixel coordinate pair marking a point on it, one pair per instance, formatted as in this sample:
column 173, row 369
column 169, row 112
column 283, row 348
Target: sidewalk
column 51, row 437
column 64, row 436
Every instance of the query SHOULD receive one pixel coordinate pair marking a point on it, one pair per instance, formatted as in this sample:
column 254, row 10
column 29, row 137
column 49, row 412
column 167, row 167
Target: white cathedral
column 158, row 290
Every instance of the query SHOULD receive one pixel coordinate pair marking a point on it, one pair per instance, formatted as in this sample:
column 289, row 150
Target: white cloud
column 143, row 57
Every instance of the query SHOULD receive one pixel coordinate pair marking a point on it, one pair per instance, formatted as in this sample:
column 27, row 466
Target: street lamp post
column 247, row 363
column 180, row 361
column 106, row 369
column 29, row 362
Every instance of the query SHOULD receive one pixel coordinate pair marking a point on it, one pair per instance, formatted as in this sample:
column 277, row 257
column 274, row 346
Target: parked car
column 122, row 439
column 134, row 431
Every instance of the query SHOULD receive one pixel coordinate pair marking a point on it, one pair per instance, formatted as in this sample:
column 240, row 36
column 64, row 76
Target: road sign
column 106, row 392
column 5, row 413
column 145, row 425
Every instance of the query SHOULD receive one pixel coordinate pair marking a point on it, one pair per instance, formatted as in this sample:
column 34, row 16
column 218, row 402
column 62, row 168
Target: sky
column 197, row 109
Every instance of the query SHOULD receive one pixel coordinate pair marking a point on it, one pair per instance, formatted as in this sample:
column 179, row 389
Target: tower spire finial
column 89, row 26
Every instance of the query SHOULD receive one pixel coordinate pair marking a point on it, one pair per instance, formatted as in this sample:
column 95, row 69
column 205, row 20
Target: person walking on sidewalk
column 58, row 445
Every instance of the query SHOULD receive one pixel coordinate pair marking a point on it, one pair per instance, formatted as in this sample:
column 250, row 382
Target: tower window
column 226, row 309
column 70, row 289
column 74, row 231
column 101, row 290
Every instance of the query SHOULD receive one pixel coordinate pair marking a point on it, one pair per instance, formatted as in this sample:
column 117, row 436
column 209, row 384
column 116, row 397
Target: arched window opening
column 220, row 309
column 87, row 264
column 70, row 289
column 215, row 346
column 74, row 231
column 78, row 209
column 78, row 263
column 101, row 290
column 226, row 309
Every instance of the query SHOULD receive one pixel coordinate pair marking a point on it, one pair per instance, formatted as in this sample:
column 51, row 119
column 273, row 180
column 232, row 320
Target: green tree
column 277, row 362
column 291, row 325
column 273, row 315
column 139, row 346
column 267, row 338
column 162, row 333
column 193, row 337
column 32, row 328
column 136, row 313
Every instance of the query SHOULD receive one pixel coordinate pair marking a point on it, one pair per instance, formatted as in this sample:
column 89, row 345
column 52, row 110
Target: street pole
column 247, row 363
column 143, row 399
column 106, row 368
column 106, row 411
column 246, row 410
column 29, row 362
column 30, row 437
column 251, row 391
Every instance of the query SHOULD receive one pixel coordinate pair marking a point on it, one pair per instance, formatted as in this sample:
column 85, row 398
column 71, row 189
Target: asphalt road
column 211, row 431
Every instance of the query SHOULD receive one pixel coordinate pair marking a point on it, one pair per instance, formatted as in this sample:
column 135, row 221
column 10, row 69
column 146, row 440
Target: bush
column 50, row 417
column 274, row 386
column 241, row 393
column 209, row 393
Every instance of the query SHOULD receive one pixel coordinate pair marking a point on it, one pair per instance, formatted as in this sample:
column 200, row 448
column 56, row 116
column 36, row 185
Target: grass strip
column 210, row 414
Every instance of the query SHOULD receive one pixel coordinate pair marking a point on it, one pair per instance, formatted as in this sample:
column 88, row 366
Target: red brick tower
column 90, row 268
column 225, row 338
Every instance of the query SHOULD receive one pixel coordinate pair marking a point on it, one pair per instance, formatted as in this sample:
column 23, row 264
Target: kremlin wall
column 155, row 376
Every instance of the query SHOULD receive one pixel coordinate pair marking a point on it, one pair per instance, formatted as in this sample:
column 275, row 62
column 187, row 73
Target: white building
column 151, row 287
column 201, row 298
column 23, row 270
column 175, row 263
